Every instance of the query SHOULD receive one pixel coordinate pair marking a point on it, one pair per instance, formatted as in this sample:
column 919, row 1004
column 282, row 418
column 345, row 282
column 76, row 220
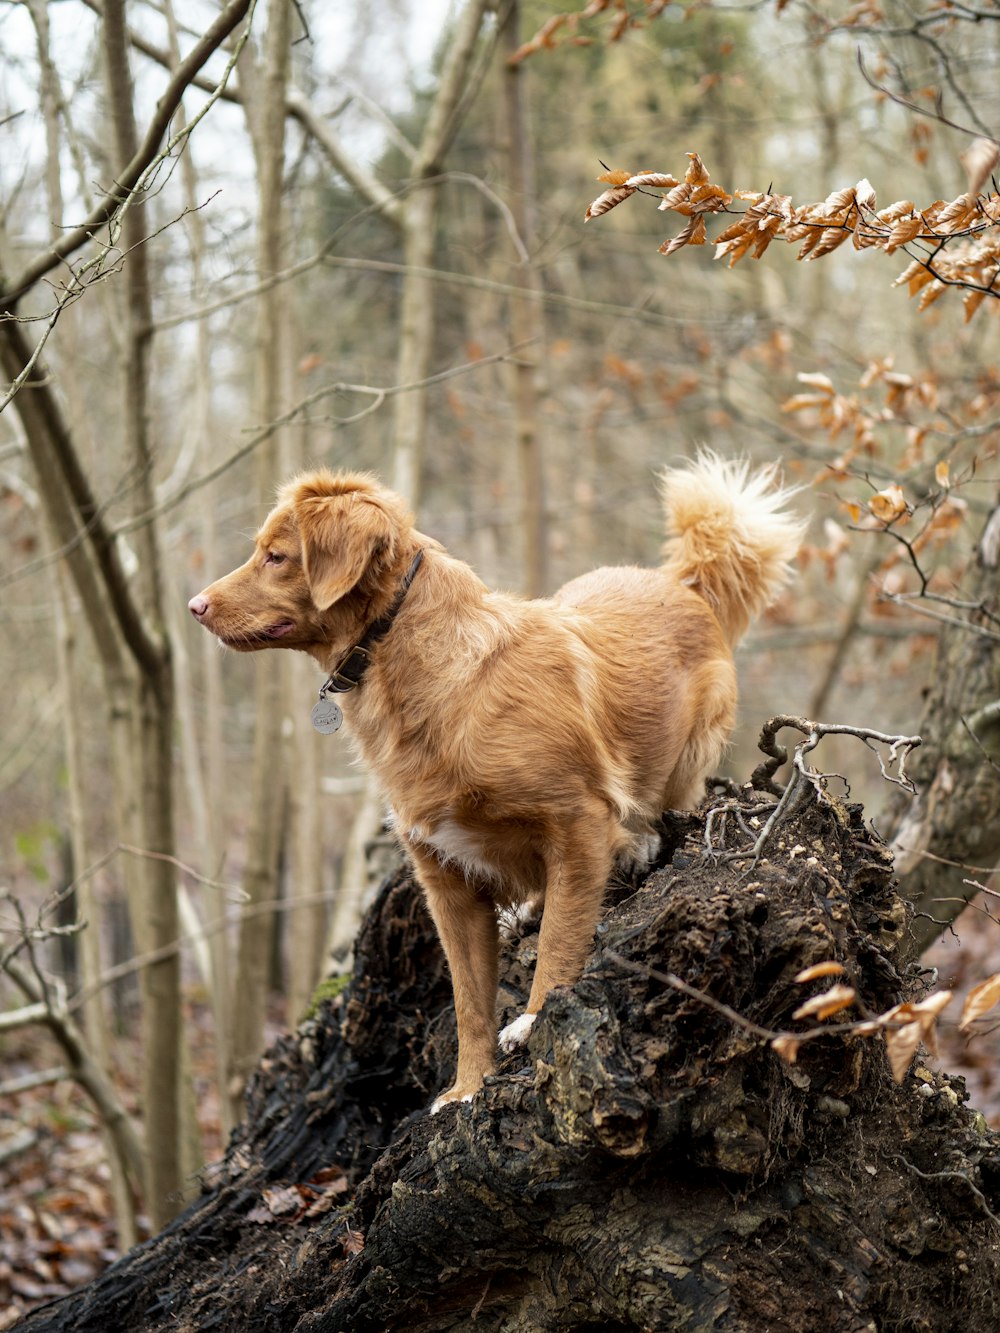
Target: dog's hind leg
column 466, row 923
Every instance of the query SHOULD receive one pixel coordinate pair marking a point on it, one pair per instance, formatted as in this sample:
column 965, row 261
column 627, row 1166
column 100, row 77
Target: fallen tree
column 674, row 1150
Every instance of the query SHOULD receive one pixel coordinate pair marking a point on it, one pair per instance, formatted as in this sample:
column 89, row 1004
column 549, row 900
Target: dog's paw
column 641, row 852
column 454, row 1094
column 516, row 1034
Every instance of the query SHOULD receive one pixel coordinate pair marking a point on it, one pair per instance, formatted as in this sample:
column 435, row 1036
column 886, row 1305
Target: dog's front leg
column 577, row 870
column 467, row 926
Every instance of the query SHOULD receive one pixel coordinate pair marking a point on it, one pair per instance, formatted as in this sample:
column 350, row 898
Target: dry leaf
column 918, row 1022
column 697, row 172
column 817, row 381
column 614, row 177
column 888, row 505
column 652, row 180
column 693, row 234
column 786, row 1047
column 605, row 202
column 942, row 474
column 980, row 1000
column 980, row 161
column 827, row 969
column 864, row 194
column 830, row 1002
column 901, row 1047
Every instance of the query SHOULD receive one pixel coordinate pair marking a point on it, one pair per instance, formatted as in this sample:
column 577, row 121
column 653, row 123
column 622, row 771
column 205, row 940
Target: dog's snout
column 198, row 606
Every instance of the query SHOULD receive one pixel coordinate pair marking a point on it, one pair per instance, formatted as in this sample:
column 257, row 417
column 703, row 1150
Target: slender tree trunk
column 94, row 1018
column 203, row 745
column 154, row 905
column 526, row 320
column 265, row 106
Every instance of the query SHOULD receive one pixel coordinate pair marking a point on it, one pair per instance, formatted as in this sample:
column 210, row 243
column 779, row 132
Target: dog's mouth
column 248, row 638
column 278, row 631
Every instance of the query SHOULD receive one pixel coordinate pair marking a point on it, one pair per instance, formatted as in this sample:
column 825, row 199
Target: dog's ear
column 344, row 533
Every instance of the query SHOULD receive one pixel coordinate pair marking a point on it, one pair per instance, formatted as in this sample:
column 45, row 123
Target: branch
column 131, row 174
column 967, row 224
column 83, row 1068
column 762, row 778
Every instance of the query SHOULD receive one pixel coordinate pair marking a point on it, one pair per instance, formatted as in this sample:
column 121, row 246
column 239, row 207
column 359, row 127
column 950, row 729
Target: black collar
column 347, row 674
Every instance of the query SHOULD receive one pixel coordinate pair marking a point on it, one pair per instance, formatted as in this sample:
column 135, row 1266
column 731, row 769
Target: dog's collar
column 348, row 672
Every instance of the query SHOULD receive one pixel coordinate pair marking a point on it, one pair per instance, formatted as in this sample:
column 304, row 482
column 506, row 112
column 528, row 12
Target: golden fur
column 523, row 745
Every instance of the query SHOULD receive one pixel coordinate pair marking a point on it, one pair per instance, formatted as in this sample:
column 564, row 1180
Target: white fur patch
column 447, row 1101
column 457, row 846
column 516, row 1034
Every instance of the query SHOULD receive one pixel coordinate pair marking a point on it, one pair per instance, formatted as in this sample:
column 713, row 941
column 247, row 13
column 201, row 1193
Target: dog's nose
column 198, row 606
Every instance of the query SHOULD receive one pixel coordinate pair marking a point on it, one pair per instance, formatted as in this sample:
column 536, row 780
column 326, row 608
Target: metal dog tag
column 327, row 716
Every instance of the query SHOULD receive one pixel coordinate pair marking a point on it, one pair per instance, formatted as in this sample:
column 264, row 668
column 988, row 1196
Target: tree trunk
column 264, row 102
column 648, row 1162
column 527, row 325
column 153, row 901
column 949, row 831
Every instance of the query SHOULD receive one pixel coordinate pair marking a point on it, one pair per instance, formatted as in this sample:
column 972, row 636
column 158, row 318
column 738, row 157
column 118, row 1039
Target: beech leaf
column 828, row 969
column 980, row 1000
column 832, row 1001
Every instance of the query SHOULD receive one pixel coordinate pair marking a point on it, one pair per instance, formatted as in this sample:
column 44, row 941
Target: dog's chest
column 457, row 845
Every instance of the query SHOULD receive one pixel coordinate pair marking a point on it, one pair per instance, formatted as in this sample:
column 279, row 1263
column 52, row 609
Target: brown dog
column 523, row 745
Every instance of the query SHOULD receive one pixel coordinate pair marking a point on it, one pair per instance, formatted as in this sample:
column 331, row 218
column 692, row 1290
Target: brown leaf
column 980, row 1000
column 786, row 1047
column 613, row 177
column 710, row 198
column 352, row 1242
column 888, row 505
column 902, row 231
column 652, row 180
column 677, row 199
column 901, row 1046
column 864, row 194
column 697, row 172
column 828, row 969
column 971, row 302
column 817, row 380
column 605, row 202
column 830, row 1002
column 980, row 161
column 693, row 234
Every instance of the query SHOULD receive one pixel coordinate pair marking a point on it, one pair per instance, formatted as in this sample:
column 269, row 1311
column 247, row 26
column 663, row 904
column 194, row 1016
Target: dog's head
column 323, row 564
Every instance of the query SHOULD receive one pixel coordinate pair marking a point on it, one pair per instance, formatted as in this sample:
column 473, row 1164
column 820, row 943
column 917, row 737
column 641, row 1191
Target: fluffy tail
column 729, row 535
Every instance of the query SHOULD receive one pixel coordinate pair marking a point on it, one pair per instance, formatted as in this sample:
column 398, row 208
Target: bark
column 265, row 107
column 85, row 906
column 646, row 1163
column 419, row 224
column 203, row 766
column 527, row 326
column 950, row 830
column 153, row 892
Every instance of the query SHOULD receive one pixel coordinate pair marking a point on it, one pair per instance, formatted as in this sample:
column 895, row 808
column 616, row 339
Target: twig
column 762, row 778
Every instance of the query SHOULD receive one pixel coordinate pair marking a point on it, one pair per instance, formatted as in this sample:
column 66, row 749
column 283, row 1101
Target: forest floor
column 56, row 1224
column 57, row 1228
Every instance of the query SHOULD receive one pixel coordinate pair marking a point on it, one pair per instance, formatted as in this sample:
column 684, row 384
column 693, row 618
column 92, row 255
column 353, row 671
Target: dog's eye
column 275, row 558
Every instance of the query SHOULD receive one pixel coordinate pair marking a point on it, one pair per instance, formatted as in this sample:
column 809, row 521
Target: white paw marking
column 516, row 1034
column 447, row 1101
